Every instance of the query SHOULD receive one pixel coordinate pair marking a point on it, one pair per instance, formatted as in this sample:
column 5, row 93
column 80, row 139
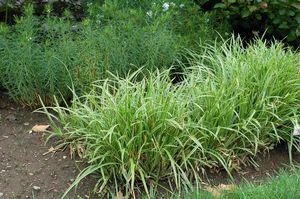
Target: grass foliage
column 284, row 185
column 140, row 135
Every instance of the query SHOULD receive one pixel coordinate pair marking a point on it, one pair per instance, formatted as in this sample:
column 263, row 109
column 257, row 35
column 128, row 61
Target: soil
column 28, row 171
column 25, row 170
column 267, row 164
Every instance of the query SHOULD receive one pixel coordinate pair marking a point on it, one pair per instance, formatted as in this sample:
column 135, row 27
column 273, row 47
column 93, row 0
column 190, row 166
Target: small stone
column 64, row 157
column 31, row 174
column 36, row 188
column 1, row 194
column 26, row 123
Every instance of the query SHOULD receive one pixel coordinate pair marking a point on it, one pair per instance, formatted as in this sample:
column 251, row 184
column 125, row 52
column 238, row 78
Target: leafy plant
column 278, row 17
column 44, row 56
column 233, row 103
column 10, row 8
column 31, row 69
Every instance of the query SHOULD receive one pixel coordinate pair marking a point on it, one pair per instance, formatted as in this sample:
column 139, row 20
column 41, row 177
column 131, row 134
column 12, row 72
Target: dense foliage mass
column 277, row 17
column 233, row 103
column 44, row 56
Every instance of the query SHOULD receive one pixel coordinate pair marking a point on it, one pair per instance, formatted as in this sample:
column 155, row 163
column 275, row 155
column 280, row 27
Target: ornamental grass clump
column 131, row 133
column 138, row 135
column 245, row 99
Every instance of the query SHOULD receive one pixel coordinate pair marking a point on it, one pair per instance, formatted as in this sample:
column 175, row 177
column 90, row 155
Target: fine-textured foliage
column 44, row 56
column 30, row 67
column 284, row 185
column 233, row 103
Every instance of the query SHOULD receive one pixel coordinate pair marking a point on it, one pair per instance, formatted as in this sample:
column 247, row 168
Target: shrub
column 184, row 18
column 31, row 68
column 43, row 56
column 9, row 8
column 279, row 18
column 138, row 135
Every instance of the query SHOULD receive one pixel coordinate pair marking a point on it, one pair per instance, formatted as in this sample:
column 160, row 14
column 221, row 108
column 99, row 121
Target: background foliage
column 279, row 18
column 43, row 56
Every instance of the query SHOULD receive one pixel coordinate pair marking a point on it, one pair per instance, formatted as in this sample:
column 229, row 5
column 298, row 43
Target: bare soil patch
column 267, row 164
column 25, row 170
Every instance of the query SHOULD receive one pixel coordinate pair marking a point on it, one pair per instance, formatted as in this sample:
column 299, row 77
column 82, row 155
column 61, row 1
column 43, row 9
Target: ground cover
column 283, row 185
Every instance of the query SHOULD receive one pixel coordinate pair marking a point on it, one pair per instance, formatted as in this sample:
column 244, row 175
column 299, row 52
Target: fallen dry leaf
column 216, row 191
column 50, row 150
column 119, row 195
column 40, row 128
column 226, row 187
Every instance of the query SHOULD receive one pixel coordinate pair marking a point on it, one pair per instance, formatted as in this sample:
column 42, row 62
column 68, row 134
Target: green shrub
column 31, row 68
column 233, row 103
column 10, row 8
column 184, row 18
column 277, row 17
column 43, row 56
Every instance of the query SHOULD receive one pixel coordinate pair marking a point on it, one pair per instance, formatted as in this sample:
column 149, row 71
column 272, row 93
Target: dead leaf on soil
column 216, row 191
column 119, row 195
column 50, row 150
column 227, row 187
column 40, row 128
